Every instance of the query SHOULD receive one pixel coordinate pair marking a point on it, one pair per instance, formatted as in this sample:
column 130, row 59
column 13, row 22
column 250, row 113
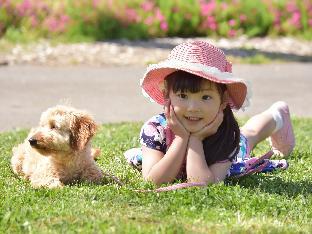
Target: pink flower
column 213, row 26
column 232, row 22
column 33, row 21
column 131, row 15
column 310, row 22
column 147, row 6
column 242, row 17
column 164, row 26
column 291, row 7
column 310, row 12
column 159, row 15
column 24, row 7
column 149, row 21
column 56, row 24
column 64, row 19
column 277, row 17
column 51, row 24
column 232, row 33
column 224, row 6
column 207, row 8
column 295, row 19
column 210, row 23
column 96, row 3
column 5, row 4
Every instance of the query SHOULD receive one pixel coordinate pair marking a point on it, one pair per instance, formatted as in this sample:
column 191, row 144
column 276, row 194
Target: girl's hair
column 225, row 142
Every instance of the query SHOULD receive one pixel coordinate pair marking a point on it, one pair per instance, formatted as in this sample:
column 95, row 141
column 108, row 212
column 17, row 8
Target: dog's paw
column 55, row 183
column 52, row 183
column 95, row 153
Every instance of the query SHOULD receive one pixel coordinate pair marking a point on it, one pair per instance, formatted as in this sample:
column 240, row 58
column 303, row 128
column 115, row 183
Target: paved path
column 112, row 94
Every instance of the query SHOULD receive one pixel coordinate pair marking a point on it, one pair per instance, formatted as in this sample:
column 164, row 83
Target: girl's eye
column 206, row 97
column 182, row 95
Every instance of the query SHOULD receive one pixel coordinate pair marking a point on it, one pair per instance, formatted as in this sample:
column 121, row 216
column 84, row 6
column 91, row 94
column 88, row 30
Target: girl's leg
column 258, row 128
column 274, row 123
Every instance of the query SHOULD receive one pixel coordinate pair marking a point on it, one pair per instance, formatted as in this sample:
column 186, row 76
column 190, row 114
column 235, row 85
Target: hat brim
column 154, row 77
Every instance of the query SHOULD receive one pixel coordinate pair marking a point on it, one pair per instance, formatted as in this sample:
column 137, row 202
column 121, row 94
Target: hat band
column 196, row 67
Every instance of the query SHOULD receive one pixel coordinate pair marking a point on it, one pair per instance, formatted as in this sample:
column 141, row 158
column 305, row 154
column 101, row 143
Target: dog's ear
column 82, row 129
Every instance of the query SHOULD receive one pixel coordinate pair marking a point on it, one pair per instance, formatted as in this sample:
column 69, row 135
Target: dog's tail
column 113, row 178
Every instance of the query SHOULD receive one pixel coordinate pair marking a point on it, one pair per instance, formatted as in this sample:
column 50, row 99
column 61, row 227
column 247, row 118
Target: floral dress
column 155, row 134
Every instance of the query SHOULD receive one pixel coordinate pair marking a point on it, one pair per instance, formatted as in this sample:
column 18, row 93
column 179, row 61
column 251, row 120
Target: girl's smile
column 196, row 110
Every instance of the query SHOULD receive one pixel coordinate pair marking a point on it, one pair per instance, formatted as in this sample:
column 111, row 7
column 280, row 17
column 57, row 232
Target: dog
column 58, row 152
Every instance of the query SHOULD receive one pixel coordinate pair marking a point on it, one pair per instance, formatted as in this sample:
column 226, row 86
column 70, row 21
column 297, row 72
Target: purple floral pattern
column 153, row 133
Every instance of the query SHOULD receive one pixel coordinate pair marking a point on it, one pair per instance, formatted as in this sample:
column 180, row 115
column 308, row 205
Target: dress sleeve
column 153, row 135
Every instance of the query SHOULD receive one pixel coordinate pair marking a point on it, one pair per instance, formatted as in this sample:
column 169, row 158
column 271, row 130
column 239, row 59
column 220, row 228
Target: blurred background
column 92, row 53
column 96, row 20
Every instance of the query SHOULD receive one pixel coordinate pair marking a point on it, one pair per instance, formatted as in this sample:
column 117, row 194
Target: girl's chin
column 192, row 128
column 195, row 126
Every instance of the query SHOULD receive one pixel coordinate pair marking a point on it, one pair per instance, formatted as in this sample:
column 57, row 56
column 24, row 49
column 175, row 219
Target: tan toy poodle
column 58, row 152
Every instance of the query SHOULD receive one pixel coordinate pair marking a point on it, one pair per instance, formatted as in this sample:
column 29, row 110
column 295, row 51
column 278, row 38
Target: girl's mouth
column 190, row 118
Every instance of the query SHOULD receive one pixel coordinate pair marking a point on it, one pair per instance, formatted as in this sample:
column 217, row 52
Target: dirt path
column 112, row 94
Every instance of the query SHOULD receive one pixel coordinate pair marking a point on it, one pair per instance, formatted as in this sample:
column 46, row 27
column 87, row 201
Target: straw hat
column 202, row 59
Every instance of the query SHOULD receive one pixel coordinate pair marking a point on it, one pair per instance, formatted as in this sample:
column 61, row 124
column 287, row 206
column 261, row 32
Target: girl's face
column 196, row 110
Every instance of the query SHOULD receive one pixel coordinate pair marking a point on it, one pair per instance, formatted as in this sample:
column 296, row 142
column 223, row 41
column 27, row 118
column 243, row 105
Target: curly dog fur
column 58, row 151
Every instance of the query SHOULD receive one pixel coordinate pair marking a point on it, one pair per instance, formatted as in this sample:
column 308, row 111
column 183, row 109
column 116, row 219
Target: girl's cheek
column 177, row 105
column 174, row 101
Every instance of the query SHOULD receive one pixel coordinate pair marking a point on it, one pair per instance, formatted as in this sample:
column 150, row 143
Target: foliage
column 70, row 20
column 279, row 202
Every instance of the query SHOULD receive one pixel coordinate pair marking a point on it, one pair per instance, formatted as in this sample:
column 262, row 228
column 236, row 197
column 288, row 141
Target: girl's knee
column 251, row 135
column 248, row 132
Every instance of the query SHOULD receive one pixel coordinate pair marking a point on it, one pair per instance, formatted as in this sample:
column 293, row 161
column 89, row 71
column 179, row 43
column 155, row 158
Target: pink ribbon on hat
column 226, row 97
column 228, row 67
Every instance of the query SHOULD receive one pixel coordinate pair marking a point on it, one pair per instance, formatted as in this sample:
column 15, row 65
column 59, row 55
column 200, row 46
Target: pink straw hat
column 202, row 59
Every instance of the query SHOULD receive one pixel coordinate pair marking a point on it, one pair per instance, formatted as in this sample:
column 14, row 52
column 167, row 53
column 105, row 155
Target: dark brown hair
column 222, row 145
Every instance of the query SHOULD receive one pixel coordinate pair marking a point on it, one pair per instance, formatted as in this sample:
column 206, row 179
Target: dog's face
column 62, row 130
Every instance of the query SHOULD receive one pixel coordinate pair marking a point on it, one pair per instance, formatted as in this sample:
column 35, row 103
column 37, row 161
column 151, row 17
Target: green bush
column 22, row 20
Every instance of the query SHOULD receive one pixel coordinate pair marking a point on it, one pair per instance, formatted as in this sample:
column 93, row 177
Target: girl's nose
column 193, row 106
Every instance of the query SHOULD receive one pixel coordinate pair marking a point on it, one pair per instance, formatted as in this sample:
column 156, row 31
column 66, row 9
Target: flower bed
column 138, row 19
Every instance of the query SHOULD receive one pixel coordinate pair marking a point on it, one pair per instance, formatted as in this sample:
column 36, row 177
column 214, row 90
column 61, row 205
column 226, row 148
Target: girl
column 197, row 137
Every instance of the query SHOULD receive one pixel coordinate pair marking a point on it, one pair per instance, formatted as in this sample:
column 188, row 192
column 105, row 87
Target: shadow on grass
column 237, row 52
column 274, row 185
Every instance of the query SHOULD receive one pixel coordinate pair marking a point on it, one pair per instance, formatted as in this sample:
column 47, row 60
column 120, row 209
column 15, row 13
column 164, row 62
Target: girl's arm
column 160, row 168
column 197, row 168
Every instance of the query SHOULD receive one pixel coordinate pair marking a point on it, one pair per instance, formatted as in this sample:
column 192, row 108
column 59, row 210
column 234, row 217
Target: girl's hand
column 211, row 128
column 173, row 123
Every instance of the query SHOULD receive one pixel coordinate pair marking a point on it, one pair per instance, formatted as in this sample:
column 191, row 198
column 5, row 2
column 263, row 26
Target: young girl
column 197, row 137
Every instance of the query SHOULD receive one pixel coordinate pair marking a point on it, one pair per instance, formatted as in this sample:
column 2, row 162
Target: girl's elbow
column 206, row 180
column 155, row 181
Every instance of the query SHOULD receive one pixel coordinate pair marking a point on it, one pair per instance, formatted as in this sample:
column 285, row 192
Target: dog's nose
column 32, row 141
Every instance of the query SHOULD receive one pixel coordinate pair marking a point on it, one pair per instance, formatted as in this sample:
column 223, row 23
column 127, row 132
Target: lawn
column 279, row 202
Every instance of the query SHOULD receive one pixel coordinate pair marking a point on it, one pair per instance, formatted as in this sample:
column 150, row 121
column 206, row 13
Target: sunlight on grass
column 280, row 202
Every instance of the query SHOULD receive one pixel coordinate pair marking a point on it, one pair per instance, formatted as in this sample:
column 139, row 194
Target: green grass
column 279, row 202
